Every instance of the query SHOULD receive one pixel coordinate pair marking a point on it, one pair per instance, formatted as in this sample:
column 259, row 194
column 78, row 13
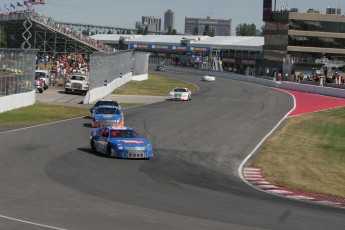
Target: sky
column 125, row 13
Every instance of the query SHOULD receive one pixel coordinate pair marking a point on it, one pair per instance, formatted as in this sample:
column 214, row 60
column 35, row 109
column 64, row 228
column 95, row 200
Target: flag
column 18, row 4
column 6, row 7
column 11, row 5
column 25, row 3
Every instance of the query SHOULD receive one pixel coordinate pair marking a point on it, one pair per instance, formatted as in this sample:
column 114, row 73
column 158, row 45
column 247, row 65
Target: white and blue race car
column 120, row 142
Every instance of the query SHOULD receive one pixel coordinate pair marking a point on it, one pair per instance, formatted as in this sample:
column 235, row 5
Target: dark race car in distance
column 120, row 142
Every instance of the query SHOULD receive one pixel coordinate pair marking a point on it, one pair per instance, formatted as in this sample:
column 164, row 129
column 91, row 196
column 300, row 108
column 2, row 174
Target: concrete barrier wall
column 101, row 92
column 328, row 91
column 17, row 101
column 141, row 77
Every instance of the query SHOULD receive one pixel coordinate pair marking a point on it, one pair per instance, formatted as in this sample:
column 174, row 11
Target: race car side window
column 106, row 133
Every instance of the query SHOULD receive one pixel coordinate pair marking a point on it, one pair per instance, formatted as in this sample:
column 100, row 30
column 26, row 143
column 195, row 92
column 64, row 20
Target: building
column 297, row 41
column 220, row 27
column 169, row 20
column 152, row 23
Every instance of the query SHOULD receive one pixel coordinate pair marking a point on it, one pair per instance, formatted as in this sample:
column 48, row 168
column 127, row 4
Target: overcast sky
column 125, row 13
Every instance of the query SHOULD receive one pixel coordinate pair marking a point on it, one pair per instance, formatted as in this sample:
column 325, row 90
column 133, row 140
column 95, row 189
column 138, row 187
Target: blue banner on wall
column 163, row 47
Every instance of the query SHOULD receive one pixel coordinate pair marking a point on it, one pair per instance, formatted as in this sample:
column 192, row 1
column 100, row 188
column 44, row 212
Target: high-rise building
column 153, row 24
column 169, row 20
column 220, row 27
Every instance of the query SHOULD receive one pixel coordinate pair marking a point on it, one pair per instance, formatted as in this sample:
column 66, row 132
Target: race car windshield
column 107, row 111
column 111, row 103
column 124, row 134
column 180, row 90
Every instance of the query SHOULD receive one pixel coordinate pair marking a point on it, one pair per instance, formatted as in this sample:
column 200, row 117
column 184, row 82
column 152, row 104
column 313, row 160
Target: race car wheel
column 92, row 143
column 108, row 150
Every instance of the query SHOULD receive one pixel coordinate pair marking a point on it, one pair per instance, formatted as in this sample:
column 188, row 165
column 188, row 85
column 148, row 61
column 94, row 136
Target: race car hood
column 130, row 142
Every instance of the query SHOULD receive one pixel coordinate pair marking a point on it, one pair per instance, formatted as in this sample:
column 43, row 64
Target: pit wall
column 327, row 91
column 16, row 101
column 103, row 91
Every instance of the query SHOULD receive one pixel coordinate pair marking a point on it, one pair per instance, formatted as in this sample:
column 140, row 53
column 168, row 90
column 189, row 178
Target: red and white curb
column 253, row 176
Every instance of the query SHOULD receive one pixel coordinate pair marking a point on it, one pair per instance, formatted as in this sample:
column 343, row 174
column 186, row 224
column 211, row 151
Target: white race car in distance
column 208, row 77
column 181, row 93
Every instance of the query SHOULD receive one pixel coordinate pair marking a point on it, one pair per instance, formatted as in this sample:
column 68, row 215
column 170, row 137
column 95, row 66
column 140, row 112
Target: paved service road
column 49, row 176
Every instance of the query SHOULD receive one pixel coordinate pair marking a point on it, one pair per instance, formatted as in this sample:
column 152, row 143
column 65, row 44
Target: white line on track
column 31, row 223
column 29, row 127
column 240, row 168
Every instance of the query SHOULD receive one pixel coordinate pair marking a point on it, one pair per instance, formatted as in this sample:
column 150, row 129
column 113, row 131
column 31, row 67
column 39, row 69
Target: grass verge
column 39, row 113
column 155, row 85
column 308, row 153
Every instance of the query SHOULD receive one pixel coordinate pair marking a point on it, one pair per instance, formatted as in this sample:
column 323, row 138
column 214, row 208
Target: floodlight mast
column 27, row 23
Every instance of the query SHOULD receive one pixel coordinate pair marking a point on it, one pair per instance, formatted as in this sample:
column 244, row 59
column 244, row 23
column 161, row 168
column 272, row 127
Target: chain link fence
column 17, row 71
column 106, row 67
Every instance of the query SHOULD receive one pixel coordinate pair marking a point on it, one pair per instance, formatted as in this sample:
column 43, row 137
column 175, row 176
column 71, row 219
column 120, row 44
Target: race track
column 50, row 179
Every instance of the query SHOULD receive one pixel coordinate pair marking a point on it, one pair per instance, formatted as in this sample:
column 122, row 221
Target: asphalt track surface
column 50, row 179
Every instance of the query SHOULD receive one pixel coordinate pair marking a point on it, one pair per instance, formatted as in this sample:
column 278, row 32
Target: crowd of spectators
column 72, row 32
column 69, row 31
column 62, row 67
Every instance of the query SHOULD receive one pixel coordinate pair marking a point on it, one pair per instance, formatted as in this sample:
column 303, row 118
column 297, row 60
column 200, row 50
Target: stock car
column 107, row 116
column 120, row 142
column 208, row 77
column 109, row 103
column 180, row 93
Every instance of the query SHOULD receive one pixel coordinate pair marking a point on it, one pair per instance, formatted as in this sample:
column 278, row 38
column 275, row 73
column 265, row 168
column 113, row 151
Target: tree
column 146, row 31
column 173, row 32
column 208, row 31
column 246, row 29
column 140, row 30
column 3, row 40
column 109, row 32
column 263, row 30
column 196, row 31
column 169, row 30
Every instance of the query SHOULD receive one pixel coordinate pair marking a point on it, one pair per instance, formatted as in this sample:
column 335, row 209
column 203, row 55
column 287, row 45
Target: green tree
column 128, row 32
column 196, row 31
column 109, row 32
column 169, row 30
column 140, row 30
column 173, row 32
column 208, row 31
column 3, row 40
column 263, row 30
column 246, row 29
column 146, row 30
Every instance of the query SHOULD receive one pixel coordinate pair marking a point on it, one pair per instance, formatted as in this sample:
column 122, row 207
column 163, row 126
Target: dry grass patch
column 155, row 85
column 308, row 153
column 39, row 114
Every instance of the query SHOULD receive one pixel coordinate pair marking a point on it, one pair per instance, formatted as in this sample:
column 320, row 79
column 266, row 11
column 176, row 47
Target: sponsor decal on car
column 132, row 141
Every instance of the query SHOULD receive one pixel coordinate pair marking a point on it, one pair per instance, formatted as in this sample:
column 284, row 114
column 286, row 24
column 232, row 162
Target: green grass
column 308, row 153
column 155, row 86
column 38, row 114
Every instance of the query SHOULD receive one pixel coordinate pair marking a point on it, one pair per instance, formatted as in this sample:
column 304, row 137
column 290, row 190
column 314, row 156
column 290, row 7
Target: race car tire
column 92, row 144
column 108, row 152
column 40, row 90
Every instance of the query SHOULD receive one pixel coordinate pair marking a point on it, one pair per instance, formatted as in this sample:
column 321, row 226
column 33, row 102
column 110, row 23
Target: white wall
column 104, row 91
column 16, row 101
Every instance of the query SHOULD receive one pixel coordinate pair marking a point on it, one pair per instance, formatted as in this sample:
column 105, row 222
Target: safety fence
column 17, row 68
